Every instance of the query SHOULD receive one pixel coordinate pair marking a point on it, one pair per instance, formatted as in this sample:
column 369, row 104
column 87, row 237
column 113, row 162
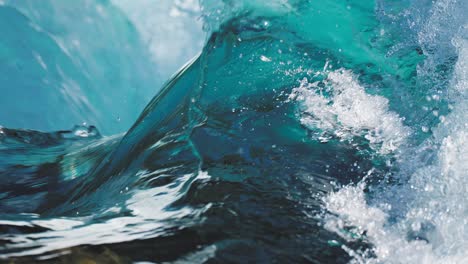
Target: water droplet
column 265, row 59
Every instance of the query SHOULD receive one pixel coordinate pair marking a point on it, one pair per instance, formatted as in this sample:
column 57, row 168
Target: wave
column 303, row 132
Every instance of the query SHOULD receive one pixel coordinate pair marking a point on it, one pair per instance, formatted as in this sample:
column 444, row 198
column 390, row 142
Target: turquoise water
column 302, row 132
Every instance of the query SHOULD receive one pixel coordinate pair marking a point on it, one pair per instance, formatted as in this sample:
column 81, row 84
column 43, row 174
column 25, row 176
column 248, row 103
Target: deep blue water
column 300, row 132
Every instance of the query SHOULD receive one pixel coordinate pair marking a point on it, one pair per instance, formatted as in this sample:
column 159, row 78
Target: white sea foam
column 345, row 110
column 149, row 210
column 434, row 223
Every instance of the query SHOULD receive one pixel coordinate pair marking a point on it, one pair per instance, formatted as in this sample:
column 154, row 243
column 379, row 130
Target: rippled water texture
column 302, row 132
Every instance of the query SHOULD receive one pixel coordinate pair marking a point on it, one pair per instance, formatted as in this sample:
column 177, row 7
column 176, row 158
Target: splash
column 431, row 226
column 348, row 112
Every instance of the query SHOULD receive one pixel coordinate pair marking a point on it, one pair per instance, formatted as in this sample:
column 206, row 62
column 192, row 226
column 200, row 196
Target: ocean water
column 287, row 131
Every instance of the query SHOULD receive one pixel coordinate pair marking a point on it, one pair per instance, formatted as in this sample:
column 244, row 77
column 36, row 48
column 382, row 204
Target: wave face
column 304, row 132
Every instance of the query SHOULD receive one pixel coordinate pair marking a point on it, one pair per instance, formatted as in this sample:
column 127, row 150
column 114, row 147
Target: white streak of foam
column 149, row 219
column 349, row 111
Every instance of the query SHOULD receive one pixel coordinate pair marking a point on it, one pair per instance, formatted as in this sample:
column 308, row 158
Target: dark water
column 304, row 132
